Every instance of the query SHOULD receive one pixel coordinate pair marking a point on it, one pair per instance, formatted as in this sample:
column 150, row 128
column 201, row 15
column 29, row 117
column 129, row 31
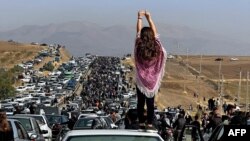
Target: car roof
column 29, row 115
column 21, row 116
column 112, row 132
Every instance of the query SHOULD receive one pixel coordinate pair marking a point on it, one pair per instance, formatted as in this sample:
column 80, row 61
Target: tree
column 6, row 88
column 48, row 66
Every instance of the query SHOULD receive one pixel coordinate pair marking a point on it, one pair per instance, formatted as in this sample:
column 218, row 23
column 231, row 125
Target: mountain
column 85, row 37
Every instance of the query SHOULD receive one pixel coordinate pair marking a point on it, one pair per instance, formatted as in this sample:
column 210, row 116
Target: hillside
column 179, row 83
column 13, row 53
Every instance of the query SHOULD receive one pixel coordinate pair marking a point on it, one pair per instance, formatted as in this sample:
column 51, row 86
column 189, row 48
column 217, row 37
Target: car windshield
column 53, row 119
column 114, row 138
column 39, row 120
column 84, row 123
column 26, row 123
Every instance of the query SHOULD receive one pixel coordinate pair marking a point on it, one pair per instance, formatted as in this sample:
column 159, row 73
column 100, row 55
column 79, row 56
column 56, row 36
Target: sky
column 225, row 17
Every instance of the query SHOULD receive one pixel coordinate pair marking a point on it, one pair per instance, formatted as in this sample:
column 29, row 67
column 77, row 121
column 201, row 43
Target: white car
column 47, row 103
column 26, row 79
column 112, row 135
column 21, row 89
column 234, row 59
column 37, row 89
column 41, row 83
column 43, row 124
column 30, row 86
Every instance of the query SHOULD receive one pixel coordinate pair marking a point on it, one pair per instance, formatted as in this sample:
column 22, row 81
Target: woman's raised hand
column 141, row 13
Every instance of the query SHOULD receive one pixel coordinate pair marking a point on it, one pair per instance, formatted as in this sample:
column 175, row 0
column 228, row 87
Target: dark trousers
column 140, row 107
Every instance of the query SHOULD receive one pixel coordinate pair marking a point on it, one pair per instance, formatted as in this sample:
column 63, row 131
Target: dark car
column 56, row 119
column 57, row 124
column 218, row 59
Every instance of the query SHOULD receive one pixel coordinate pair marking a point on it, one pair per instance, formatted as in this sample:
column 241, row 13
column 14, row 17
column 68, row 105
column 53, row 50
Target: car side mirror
column 115, row 127
column 33, row 136
column 44, row 131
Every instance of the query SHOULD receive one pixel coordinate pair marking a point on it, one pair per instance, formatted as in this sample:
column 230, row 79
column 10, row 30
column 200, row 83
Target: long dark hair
column 147, row 48
column 4, row 125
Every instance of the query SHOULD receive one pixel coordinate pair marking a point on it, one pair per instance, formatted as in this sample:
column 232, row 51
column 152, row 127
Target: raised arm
column 139, row 21
column 151, row 23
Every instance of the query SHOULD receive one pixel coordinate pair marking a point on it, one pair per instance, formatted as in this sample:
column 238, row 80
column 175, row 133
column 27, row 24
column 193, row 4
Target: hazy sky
column 226, row 17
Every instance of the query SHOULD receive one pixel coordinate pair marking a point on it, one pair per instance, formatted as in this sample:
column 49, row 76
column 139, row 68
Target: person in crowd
column 188, row 118
column 178, row 126
column 150, row 58
column 248, row 118
column 32, row 108
column 6, row 133
column 204, row 121
column 194, row 132
column 224, row 106
column 72, row 122
column 215, row 120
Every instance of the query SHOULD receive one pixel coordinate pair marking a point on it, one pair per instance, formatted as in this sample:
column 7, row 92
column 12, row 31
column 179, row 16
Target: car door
column 21, row 132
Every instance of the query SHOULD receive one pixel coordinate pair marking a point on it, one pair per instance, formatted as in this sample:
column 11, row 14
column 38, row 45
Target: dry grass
column 179, row 84
column 15, row 53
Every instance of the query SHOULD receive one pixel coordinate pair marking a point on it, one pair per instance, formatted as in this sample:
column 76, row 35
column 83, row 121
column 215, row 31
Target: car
column 31, row 126
column 234, row 59
column 30, row 86
column 47, row 103
column 218, row 59
column 21, row 89
column 43, row 124
column 57, row 123
column 110, row 123
column 56, row 119
column 87, row 115
column 19, row 133
column 112, row 135
column 90, row 123
column 222, row 131
column 41, row 83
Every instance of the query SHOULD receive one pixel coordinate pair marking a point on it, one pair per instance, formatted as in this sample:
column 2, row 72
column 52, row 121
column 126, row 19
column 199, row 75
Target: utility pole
column 200, row 64
column 239, row 91
column 247, row 92
column 187, row 58
column 222, row 92
column 219, row 77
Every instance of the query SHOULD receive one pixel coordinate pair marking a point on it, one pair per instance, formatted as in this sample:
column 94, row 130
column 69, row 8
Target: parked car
column 19, row 133
column 110, row 123
column 90, row 123
column 111, row 135
column 31, row 126
column 21, row 89
column 43, row 124
column 57, row 123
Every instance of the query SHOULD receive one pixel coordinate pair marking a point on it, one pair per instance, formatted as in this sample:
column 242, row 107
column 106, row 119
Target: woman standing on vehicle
column 6, row 133
column 150, row 58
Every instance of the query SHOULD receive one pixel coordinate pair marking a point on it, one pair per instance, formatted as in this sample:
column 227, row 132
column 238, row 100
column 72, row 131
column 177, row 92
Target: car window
column 64, row 119
column 36, row 127
column 39, row 119
column 113, row 138
column 25, row 123
column 21, row 132
column 84, row 123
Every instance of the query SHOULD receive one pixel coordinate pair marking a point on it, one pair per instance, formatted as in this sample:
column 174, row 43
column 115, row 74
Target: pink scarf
column 150, row 73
